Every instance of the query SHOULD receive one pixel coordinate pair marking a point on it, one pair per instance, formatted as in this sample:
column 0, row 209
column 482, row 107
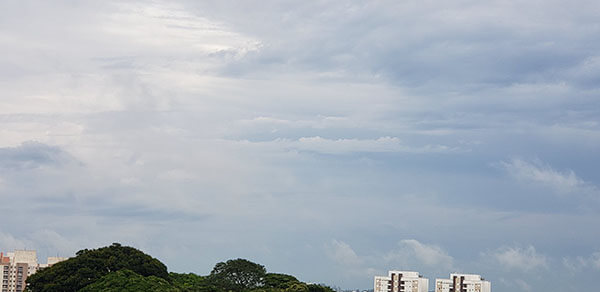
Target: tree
column 319, row 288
column 237, row 275
column 297, row 287
column 280, row 281
column 192, row 283
column 90, row 265
column 129, row 281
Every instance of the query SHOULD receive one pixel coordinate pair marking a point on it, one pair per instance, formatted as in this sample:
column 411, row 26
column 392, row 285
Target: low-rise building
column 401, row 281
column 463, row 283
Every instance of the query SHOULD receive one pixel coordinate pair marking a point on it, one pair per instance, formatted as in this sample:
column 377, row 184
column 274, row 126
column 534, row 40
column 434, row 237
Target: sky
column 330, row 140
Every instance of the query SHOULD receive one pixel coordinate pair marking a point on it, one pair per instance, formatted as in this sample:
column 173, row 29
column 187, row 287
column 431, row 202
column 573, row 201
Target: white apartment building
column 463, row 283
column 16, row 266
column 401, row 281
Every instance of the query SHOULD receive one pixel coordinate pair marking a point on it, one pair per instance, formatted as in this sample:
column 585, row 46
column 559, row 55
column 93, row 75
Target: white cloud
column 411, row 251
column 9, row 243
column 112, row 59
column 524, row 286
column 538, row 172
column 576, row 264
column 381, row 144
column 168, row 27
column 346, row 146
column 352, row 265
column 343, row 254
column 516, row 284
column 595, row 259
column 525, row 259
column 410, row 254
column 54, row 242
column 176, row 175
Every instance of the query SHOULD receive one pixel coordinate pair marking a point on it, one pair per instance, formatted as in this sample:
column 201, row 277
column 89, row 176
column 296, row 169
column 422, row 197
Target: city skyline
column 334, row 141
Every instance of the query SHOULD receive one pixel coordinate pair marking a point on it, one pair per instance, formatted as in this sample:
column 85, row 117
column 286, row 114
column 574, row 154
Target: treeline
column 122, row 268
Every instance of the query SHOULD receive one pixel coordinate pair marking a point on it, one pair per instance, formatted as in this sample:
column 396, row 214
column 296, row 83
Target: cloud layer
column 525, row 259
column 328, row 140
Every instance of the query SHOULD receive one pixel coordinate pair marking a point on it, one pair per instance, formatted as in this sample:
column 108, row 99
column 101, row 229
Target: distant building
column 16, row 266
column 463, row 283
column 401, row 281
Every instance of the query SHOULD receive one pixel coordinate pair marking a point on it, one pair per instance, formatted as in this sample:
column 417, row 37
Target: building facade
column 401, row 281
column 16, row 266
column 463, row 283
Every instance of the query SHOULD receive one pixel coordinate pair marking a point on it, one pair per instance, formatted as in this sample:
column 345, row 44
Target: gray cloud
column 283, row 125
column 30, row 155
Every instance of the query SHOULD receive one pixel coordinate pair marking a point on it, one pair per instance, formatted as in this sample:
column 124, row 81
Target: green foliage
column 122, row 268
column 263, row 289
column 297, row 287
column 129, row 281
column 237, row 275
column 192, row 283
column 281, row 281
column 319, row 288
column 91, row 265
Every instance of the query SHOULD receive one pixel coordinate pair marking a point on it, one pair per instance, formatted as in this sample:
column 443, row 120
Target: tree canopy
column 122, row 268
column 129, row 281
column 319, row 288
column 238, row 275
column 88, row 266
column 297, row 287
column 280, row 281
column 192, row 283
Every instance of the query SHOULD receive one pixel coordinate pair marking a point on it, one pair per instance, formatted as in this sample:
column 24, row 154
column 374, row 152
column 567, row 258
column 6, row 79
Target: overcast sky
column 331, row 140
